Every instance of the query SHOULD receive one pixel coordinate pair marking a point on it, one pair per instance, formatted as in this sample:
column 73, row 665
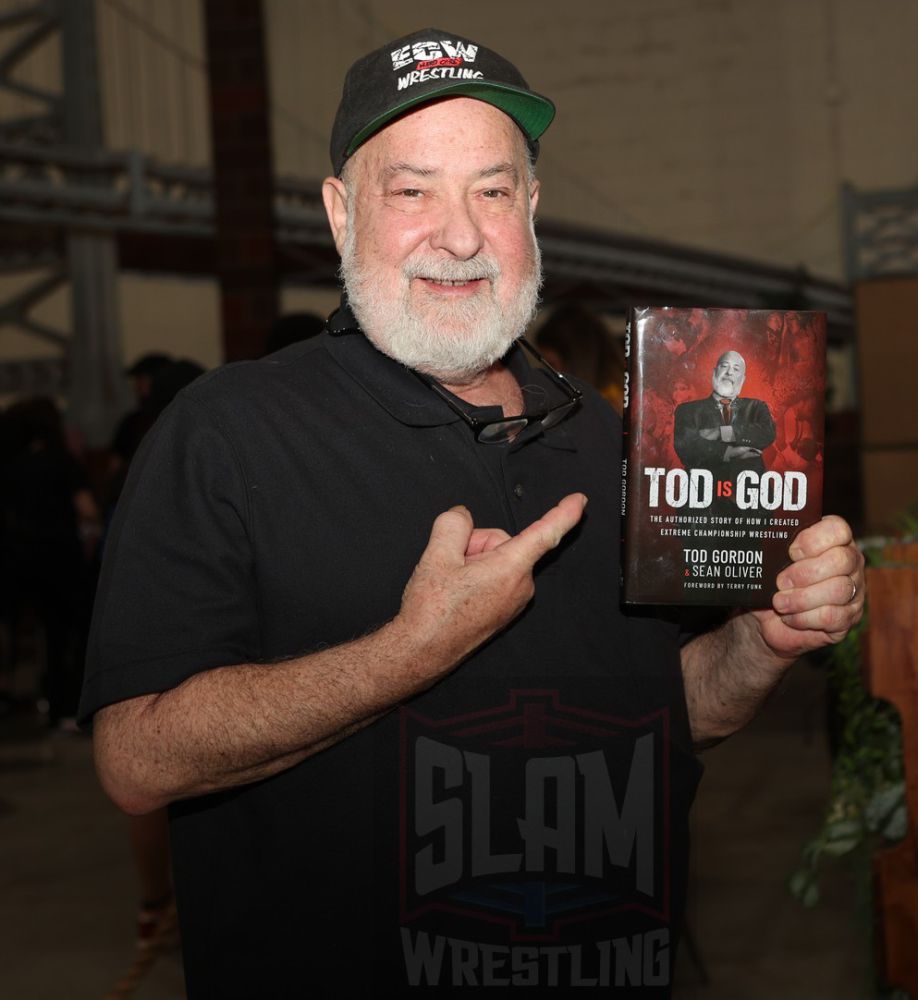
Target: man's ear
column 334, row 196
column 534, row 197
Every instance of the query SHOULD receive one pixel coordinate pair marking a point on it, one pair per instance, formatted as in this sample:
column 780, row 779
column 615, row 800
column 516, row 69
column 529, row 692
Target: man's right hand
column 228, row 726
column 472, row 582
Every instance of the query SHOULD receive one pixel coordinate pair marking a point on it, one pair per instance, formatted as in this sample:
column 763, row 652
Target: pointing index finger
column 546, row 533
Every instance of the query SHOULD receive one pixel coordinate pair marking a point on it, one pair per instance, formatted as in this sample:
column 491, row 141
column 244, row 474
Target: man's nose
column 456, row 230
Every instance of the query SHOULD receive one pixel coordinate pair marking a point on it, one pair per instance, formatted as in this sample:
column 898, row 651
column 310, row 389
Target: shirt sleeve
column 177, row 591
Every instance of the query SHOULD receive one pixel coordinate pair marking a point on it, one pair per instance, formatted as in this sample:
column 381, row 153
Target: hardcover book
column 722, row 459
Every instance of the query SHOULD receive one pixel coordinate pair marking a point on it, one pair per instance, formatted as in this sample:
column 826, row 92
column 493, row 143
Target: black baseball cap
column 423, row 67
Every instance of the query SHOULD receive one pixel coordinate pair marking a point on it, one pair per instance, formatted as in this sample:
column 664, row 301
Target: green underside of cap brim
column 531, row 112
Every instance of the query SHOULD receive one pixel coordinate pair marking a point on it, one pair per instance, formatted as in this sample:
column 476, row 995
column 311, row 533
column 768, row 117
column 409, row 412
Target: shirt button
column 518, row 490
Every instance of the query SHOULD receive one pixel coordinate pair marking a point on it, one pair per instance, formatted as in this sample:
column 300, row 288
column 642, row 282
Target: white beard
column 453, row 341
column 727, row 388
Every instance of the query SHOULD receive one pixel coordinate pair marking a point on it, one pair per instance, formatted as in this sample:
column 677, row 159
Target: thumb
column 450, row 534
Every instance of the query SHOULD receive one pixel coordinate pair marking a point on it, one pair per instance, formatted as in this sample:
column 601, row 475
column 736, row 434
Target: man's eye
column 494, row 193
column 409, row 193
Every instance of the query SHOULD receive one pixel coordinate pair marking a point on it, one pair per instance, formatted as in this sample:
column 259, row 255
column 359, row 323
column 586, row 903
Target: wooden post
column 891, row 660
column 243, row 174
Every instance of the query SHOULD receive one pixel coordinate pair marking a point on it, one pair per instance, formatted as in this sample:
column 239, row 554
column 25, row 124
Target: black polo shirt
column 521, row 824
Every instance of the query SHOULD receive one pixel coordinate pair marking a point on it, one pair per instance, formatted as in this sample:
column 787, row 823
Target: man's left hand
column 820, row 595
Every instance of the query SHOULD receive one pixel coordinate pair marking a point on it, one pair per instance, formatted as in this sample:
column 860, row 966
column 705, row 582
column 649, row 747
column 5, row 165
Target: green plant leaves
column 804, row 887
column 866, row 805
column 841, row 837
column 879, row 811
column 897, row 826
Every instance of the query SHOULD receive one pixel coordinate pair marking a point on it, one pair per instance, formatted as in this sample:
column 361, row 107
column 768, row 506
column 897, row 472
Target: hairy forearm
column 728, row 673
column 233, row 725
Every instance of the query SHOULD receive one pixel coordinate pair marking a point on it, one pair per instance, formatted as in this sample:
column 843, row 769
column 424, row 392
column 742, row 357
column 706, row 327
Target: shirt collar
column 390, row 383
column 408, row 400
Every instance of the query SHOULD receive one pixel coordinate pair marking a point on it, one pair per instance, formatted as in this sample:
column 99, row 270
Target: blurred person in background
column 133, row 425
column 50, row 529
column 576, row 341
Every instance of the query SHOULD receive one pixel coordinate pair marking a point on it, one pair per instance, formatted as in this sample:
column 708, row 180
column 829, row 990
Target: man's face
column 729, row 375
column 438, row 252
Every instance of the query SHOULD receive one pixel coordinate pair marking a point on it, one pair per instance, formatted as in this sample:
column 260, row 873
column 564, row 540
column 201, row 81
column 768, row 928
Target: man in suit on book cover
column 724, row 432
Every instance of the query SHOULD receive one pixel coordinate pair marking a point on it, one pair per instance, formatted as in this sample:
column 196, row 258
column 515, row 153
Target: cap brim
column 532, row 112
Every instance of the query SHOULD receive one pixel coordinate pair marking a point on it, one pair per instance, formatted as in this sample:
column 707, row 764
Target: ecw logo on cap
column 381, row 86
column 434, row 52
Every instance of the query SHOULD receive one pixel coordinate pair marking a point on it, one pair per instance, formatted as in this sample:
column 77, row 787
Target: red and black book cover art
column 723, row 452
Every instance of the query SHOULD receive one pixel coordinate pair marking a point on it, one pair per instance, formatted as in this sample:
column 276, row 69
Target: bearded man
column 358, row 633
column 724, row 432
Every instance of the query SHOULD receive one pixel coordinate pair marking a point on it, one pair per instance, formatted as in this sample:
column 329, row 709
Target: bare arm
column 89, row 521
column 232, row 725
column 730, row 671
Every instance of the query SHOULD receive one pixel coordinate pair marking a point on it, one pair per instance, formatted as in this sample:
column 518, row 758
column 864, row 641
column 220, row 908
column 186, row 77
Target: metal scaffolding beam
column 98, row 394
column 89, row 361
column 133, row 196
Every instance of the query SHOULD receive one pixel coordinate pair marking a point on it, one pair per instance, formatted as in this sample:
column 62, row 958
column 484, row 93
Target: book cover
column 723, row 451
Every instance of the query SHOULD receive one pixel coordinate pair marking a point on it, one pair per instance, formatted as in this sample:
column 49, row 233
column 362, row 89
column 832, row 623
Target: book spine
column 626, row 544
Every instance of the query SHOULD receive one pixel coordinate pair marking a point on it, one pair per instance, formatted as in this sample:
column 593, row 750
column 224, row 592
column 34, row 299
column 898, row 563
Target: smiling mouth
column 452, row 284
